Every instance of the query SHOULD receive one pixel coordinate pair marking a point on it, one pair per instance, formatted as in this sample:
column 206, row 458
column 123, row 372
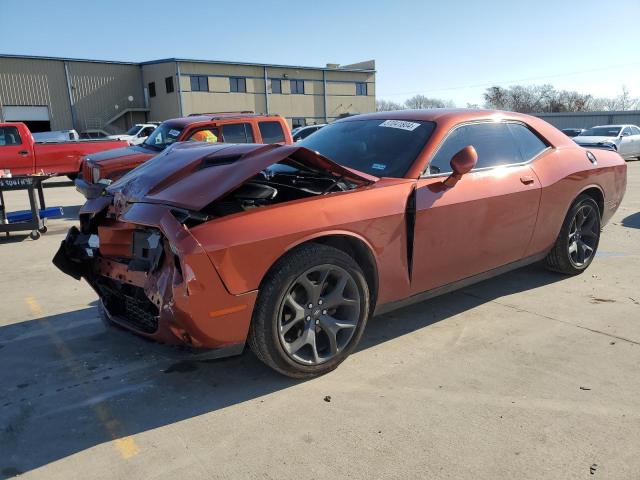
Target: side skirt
column 450, row 287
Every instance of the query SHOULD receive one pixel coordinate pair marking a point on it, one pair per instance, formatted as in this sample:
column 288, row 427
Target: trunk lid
column 191, row 175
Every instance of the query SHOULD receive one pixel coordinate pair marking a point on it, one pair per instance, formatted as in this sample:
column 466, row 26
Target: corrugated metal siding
column 36, row 82
column 97, row 89
column 590, row 119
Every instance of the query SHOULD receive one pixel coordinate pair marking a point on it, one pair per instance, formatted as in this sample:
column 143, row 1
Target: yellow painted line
column 124, row 444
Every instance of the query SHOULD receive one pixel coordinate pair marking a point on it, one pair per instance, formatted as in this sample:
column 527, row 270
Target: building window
column 361, row 88
column 276, row 85
column 238, row 84
column 298, row 122
column 297, row 87
column 199, row 83
column 168, row 84
column 152, row 89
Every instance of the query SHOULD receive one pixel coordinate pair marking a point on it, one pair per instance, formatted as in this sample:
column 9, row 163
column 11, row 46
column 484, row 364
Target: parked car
column 136, row 134
column 292, row 248
column 55, row 136
column 301, row 133
column 20, row 154
column 624, row 139
column 572, row 132
column 102, row 169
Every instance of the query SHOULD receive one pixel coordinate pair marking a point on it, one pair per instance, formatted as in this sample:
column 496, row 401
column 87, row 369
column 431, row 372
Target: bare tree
column 421, row 101
column 387, row 105
column 535, row 98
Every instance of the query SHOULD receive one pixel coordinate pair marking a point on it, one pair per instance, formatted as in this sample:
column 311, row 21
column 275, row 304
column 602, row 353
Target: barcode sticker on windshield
column 410, row 126
column 174, row 133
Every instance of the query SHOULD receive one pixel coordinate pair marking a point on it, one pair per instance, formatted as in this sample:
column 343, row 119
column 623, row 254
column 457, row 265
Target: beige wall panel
column 33, row 82
column 297, row 105
column 164, row 105
column 294, row 73
column 339, row 105
column 350, row 76
column 192, row 68
column 200, row 102
column 341, row 88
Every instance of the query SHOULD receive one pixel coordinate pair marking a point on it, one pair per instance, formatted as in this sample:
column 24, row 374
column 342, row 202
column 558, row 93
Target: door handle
column 527, row 180
column 23, row 153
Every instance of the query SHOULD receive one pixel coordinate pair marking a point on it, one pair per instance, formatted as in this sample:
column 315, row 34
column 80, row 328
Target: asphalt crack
column 524, row 310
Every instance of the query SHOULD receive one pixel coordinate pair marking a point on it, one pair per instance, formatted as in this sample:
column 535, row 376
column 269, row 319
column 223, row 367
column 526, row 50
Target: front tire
column 311, row 311
column 578, row 240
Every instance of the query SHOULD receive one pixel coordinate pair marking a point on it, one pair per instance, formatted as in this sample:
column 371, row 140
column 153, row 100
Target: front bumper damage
column 154, row 278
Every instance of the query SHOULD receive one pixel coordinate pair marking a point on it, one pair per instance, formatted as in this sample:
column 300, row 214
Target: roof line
column 168, row 60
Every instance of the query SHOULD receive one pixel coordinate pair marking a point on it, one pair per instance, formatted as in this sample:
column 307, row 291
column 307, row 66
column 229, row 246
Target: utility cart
column 33, row 220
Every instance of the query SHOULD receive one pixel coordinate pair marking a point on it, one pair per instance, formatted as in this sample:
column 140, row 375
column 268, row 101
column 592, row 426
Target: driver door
column 487, row 219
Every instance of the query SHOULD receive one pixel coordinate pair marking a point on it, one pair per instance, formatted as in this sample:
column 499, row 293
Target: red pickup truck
column 100, row 170
column 20, row 154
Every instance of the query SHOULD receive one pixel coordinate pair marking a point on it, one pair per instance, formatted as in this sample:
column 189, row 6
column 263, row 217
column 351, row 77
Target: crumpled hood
column 191, row 175
column 585, row 140
column 121, row 153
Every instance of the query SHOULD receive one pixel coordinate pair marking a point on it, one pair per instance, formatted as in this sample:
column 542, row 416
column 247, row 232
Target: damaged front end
column 153, row 277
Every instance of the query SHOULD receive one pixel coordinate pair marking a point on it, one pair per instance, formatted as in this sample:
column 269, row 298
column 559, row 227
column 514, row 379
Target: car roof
column 457, row 115
column 616, row 126
column 184, row 121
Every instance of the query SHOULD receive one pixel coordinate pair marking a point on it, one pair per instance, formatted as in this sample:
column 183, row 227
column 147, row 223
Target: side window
column 635, row 131
column 626, row 131
column 209, row 135
column 271, row 132
column 493, row 142
column 146, row 131
column 9, row 136
column 528, row 142
column 237, row 133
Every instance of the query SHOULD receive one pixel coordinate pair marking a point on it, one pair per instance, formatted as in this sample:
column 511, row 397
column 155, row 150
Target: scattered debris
column 585, row 388
column 612, row 343
column 327, row 398
column 593, row 468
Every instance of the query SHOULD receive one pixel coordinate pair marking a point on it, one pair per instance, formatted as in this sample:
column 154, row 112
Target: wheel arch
column 595, row 192
column 350, row 243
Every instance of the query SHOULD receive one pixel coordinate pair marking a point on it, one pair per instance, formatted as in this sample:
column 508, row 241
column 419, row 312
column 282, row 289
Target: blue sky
column 447, row 49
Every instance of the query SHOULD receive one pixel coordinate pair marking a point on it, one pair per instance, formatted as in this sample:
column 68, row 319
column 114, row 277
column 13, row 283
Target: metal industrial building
column 62, row 93
column 590, row 119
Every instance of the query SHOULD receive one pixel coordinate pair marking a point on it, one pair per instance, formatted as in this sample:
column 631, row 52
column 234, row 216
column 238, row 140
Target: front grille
column 130, row 304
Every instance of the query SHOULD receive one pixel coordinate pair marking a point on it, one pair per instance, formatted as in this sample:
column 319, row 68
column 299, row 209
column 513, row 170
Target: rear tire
column 311, row 311
column 577, row 243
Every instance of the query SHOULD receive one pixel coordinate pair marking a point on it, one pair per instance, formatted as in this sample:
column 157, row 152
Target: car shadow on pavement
column 70, row 384
column 632, row 221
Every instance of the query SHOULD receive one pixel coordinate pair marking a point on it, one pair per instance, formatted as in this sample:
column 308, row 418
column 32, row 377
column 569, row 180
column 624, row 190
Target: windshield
column 601, row 132
column 162, row 136
column 133, row 130
column 384, row 148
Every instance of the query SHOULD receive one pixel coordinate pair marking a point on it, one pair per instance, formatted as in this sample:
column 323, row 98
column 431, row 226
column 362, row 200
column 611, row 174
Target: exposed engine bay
column 282, row 182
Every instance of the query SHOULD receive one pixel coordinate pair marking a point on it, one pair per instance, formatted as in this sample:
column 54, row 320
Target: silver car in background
column 625, row 139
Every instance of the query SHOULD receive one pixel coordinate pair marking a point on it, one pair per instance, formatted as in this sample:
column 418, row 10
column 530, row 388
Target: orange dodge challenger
column 293, row 247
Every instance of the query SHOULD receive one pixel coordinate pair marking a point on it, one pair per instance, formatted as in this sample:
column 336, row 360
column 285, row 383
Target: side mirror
column 624, row 134
column 462, row 162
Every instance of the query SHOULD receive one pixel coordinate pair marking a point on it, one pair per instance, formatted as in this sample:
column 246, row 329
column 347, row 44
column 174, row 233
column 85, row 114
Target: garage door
column 25, row 114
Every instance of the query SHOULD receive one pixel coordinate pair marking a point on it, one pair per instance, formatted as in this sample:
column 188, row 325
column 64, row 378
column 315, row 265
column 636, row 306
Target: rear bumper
column 89, row 190
column 176, row 298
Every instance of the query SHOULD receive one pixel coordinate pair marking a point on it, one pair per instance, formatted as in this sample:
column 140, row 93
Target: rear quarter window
column 271, row 132
column 528, row 142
